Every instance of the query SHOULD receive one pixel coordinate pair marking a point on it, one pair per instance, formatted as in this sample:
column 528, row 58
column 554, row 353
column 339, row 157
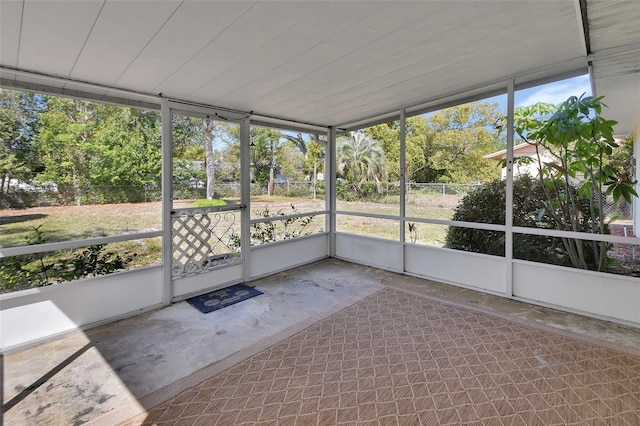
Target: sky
column 554, row 93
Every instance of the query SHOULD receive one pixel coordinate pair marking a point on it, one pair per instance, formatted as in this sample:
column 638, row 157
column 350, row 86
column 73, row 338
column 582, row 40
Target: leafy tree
column 18, row 125
column 209, row 126
column 622, row 160
column 228, row 170
column 300, row 142
column 457, row 140
column 447, row 146
column 389, row 136
column 314, row 159
column 216, row 144
column 63, row 143
column 128, row 146
column 83, row 143
column 580, row 141
column 290, row 160
column 187, row 137
column 360, row 159
column 265, row 143
column 185, row 176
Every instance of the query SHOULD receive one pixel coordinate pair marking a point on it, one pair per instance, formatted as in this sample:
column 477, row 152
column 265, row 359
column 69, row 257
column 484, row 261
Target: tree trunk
column 272, row 180
column 208, row 126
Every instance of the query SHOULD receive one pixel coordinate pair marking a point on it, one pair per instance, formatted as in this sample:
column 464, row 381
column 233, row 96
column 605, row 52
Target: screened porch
column 276, row 97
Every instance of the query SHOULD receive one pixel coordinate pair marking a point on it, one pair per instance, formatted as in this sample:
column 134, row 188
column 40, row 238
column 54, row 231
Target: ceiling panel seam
column 381, row 90
column 360, row 82
column 204, row 47
column 467, row 95
column 213, row 78
column 284, row 65
column 20, row 33
column 128, row 100
column 149, row 41
column 86, row 39
column 327, row 64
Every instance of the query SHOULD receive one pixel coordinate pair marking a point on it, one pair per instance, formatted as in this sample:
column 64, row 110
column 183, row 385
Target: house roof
column 519, row 149
column 321, row 62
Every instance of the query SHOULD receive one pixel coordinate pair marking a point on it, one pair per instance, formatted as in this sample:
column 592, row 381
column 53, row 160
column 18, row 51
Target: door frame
column 171, row 291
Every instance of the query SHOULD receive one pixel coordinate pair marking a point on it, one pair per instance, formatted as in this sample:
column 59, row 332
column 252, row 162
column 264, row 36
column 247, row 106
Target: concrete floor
column 107, row 374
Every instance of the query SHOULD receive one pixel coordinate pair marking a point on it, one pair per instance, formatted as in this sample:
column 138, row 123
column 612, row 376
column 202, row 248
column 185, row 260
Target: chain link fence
column 437, row 195
column 618, row 211
column 427, row 195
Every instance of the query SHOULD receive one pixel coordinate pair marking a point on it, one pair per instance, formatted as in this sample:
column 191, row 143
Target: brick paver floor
column 398, row 358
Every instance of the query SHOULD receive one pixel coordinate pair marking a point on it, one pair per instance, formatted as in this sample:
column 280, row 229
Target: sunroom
column 266, row 105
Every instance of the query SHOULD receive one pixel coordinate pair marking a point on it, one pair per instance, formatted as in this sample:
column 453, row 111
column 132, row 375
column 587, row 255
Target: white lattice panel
column 203, row 240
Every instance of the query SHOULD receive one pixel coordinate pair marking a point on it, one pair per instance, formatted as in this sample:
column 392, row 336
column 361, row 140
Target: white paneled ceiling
column 324, row 62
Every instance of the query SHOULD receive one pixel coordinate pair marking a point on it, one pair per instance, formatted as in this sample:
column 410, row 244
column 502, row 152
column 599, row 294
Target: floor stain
column 41, row 409
column 77, row 421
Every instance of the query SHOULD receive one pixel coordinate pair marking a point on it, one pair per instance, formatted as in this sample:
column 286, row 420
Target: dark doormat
column 219, row 299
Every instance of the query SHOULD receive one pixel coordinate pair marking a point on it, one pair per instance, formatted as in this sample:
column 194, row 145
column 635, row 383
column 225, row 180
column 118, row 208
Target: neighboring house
column 520, row 151
column 17, row 185
column 523, row 150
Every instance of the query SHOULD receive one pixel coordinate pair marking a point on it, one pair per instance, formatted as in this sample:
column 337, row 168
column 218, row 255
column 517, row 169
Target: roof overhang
column 614, row 57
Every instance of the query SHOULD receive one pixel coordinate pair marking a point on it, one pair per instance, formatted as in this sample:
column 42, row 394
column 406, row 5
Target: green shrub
column 272, row 231
column 487, row 205
column 366, row 191
column 46, row 268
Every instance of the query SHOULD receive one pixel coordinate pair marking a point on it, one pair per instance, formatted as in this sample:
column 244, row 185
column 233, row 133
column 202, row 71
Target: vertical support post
column 315, row 176
column 508, row 240
column 330, row 189
column 635, row 212
column 167, row 202
column 245, row 199
column 403, row 181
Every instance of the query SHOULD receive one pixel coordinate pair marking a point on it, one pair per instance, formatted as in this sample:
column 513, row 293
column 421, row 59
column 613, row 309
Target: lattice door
column 204, row 239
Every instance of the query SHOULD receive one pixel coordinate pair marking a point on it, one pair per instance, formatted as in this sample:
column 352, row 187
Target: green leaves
column 277, row 230
column 576, row 146
column 360, row 159
column 83, row 143
column 622, row 189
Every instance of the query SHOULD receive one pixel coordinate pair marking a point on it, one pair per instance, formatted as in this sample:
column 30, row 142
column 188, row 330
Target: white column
column 508, row 238
column 636, row 201
column 330, row 189
column 403, row 180
column 245, row 198
column 167, row 202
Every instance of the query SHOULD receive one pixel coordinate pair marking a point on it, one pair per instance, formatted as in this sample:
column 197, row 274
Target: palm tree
column 360, row 159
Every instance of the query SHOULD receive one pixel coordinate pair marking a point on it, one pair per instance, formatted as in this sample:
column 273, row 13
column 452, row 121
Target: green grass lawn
column 65, row 223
